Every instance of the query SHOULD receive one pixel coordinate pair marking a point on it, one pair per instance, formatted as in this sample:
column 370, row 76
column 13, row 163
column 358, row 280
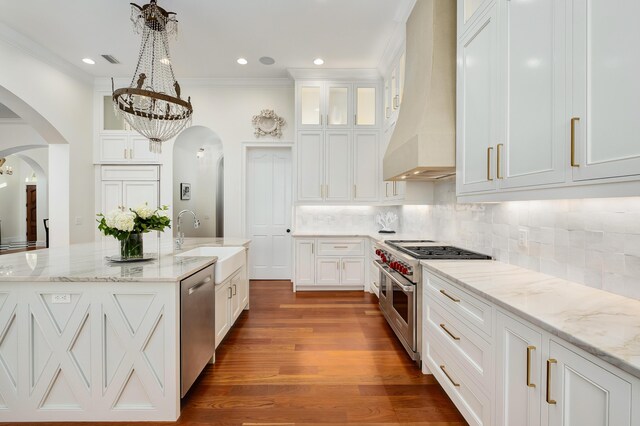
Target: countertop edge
column 587, row 347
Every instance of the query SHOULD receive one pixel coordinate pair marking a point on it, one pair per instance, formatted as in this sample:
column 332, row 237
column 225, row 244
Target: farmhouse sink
column 230, row 259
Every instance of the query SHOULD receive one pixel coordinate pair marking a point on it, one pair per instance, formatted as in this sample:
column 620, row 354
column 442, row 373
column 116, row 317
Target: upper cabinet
column 116, row 142
column 394, row 88
column 605, row 101
column 338, row 141
column 336, row 105
column 547, row 99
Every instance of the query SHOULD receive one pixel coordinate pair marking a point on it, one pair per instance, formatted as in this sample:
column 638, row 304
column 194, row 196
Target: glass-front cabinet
column 394, row 88
column 336, row 105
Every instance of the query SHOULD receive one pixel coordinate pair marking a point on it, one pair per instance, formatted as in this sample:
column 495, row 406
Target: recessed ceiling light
column 267, row 60
column 242, row 61
column 318, row 61
column 89, row 61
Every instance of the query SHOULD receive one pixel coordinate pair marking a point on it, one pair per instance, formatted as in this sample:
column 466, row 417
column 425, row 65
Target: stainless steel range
column 400, row 281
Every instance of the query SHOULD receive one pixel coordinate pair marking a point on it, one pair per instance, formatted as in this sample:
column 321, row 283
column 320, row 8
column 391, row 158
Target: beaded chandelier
column 152, row 104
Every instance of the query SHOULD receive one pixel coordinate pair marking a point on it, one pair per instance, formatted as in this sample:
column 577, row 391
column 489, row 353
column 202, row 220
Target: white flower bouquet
column 128, row 225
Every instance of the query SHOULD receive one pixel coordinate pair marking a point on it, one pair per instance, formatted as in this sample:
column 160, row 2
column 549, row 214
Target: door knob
column 288, row 231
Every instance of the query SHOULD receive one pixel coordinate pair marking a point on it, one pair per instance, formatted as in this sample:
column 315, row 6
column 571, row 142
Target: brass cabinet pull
column 125, row 153
column 454, row 337
column 442, row 367
column 320, row 119
column 312, row 244
column 230, row 291
column 529, row 349
column 449, row 296
column 549, row 362
column 499, row 168
column 235, row 289
column 355, row 191
column 386, row 189
column 573, row 141
column 489, row 151
column 386, row 112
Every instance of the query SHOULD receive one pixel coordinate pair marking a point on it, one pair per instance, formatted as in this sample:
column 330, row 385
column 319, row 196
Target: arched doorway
column 58, row 176
column 198, row 181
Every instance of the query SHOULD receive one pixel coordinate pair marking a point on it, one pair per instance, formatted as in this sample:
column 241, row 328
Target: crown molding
column 103, row 84
column 39, row 52
column 397, row 40
column 334, row 74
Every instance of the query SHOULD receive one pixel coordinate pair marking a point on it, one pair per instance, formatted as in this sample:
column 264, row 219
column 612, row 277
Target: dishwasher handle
column 195, row 288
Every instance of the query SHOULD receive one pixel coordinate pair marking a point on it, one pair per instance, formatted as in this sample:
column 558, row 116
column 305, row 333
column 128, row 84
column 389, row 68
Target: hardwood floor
column 313, row 358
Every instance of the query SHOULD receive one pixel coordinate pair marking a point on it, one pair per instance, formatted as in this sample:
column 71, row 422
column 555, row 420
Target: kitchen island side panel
column 94, row 351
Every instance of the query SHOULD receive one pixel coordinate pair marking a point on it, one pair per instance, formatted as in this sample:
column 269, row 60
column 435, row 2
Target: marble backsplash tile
column 358, row 219
column 595, row 242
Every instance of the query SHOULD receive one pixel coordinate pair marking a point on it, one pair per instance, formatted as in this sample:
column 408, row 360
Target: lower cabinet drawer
column 461, row 303
column 468, row 348
column 341, row 247
column 474, row 405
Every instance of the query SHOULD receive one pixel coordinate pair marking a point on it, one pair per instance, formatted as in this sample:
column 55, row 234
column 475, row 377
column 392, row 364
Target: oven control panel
column 393, row 263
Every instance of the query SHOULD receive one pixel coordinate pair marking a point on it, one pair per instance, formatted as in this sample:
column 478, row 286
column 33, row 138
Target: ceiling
column 5, row 112
column 214, row 33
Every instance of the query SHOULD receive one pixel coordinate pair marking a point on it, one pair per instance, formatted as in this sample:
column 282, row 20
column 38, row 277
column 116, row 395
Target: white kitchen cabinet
column 310, row 165
column 352, row 271
column 305, row 262
column 605, row 90
column 232, row 297
column 538, row 379
column 328, row 271
column 531, row 143
column 329, row 263
column 125, row 148
column 366, row 105
column 310, row 108
column 338, row 166
column 581, row 393
column 469, row 12
column 338, row 105
column 477, row 103
column 394, row 88
column 519, row 360
column 365, row 166
column 222, row 314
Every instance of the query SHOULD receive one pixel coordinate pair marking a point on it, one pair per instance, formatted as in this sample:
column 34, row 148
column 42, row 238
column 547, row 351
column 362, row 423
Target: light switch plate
column 60, row 298
column 523, row 238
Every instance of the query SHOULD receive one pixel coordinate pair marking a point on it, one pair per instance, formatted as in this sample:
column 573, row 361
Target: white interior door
column 269, row 213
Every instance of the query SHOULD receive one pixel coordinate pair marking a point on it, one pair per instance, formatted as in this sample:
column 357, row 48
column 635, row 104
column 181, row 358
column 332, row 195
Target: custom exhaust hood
column 423, row 144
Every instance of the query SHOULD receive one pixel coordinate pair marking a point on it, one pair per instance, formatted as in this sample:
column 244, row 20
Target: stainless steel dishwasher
column 197, row 326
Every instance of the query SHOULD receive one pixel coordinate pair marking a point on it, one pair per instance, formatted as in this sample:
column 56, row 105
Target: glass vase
column 132, row 248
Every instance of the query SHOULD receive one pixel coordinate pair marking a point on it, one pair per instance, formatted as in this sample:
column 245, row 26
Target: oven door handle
column 406, row 289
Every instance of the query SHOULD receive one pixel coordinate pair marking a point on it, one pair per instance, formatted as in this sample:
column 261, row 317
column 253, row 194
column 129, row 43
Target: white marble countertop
column 601, row 323
column 87, row 263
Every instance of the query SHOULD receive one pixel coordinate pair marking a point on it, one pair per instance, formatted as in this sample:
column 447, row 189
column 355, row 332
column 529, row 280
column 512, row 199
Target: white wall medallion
column 268, row 123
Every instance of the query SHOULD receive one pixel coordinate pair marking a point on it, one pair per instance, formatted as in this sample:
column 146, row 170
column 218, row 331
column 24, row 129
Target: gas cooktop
column 422, row 250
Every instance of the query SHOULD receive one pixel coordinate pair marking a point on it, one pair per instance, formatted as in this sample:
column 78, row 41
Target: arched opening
column 198, row 181
column 25, row 198
column 54, row 175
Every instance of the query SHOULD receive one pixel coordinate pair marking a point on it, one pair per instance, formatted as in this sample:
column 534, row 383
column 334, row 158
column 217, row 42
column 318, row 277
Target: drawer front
column 130, row 173
column 341, row 247
column 462, row 304
column 469, row 349
column 474, row 405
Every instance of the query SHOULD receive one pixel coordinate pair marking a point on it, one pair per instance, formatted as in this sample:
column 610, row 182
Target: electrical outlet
column 60, row 298
column 78, row 220
column 523, row 238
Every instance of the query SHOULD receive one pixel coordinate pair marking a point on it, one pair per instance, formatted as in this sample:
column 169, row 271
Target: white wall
column 228, row 111
column 15, row 133
column 595, row 242
column 63, row 103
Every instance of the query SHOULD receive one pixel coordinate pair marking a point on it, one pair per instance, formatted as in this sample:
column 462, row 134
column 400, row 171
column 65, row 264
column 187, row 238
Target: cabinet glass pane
column 394, row 88
column 111, row 121
column 338, row 106
column 401, row 67
column 366, row 106
column 387, row 98
column 310, row 105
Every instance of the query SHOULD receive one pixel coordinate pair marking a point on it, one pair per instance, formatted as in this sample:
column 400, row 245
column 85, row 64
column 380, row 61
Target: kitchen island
column 82, row 339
